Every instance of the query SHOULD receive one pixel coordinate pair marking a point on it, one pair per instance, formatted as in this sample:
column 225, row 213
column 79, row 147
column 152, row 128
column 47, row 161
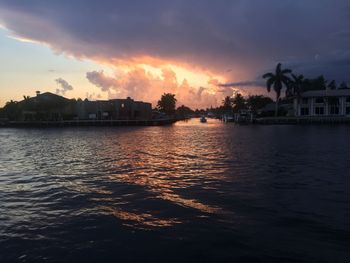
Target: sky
column 201, row 50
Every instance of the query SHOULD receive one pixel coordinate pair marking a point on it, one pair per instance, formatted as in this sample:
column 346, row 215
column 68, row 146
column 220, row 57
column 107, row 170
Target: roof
column 326, row 93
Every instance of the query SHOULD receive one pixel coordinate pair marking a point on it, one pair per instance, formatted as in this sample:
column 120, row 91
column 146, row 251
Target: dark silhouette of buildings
column 51, row 107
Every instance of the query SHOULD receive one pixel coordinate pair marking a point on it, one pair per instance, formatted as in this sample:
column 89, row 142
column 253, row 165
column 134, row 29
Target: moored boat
column 203, row 119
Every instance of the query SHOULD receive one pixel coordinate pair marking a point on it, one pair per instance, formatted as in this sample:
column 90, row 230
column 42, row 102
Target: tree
column 183, row 111
column 256, row 102
column 296, row 86
column 167, row 104
column 238, row 102
column 319, row 83
column 227, row 104
column 277, row 80
column 11, row 110
column 343, row 85
column 332, row 85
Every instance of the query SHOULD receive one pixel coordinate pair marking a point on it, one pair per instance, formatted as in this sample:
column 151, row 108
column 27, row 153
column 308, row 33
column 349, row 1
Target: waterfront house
column 115, row 109
column 323, row 103
column 45, row 107
column 51, row 107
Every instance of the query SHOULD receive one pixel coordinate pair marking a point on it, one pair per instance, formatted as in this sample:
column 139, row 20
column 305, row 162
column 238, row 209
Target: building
column 45, row 107
column 116, row 109
column 51, row 107
column 323, row 103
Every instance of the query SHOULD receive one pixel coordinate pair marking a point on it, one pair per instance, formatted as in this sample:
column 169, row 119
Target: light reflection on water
column 198, row 183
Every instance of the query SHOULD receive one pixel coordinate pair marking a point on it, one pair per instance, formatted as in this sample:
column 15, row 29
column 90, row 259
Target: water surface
column 181, row 193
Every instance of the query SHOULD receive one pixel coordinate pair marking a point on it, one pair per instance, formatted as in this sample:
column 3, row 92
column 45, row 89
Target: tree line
column 167, row 104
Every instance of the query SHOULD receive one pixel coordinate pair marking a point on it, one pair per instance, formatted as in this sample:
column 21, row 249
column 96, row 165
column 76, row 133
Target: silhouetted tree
column 277, row 80
column 183, row 111
column 332, row 85
column 319, row 83
column 296, row 86
column 256, row 102
column 343, row 85
column 11, row 110
column 167, row 104
column 227, row 104
column 238, row 102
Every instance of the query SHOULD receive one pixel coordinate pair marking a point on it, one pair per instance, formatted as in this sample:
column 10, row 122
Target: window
column 319, row 100
column 319, row 110
column 333, row 101
column 305, row 101
column 334, row 110
column 347, row 110
column 304, row 111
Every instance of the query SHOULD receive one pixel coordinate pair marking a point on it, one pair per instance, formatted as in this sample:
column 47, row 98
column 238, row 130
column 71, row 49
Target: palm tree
column 296, row 88
column 297, row 85
column 277, row 80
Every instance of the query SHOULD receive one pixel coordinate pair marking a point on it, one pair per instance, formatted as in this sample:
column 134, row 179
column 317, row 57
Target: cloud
column 141, row 84
column 236, row 39
column 99, row 79
column 64, row 86
column 240, row 84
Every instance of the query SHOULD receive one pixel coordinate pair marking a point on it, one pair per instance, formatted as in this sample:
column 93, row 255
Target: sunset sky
column 200, row 50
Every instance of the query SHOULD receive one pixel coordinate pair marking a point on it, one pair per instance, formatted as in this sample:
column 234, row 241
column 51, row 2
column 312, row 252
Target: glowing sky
column 113, row 49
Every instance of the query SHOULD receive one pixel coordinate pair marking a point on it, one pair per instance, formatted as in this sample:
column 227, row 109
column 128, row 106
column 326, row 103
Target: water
column 190, row 192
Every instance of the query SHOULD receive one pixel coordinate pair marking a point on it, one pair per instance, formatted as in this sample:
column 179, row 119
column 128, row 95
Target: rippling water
column 184, row 193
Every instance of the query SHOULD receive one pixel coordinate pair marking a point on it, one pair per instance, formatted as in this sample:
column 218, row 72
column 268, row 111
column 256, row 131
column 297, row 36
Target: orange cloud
column 148, row 83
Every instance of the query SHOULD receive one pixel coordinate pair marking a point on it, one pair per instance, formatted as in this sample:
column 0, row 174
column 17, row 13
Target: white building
column 323, row 103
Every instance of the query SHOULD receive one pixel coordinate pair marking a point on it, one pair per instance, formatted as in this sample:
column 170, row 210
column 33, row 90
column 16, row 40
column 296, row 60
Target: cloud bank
column 239, row 39
column 143, row 85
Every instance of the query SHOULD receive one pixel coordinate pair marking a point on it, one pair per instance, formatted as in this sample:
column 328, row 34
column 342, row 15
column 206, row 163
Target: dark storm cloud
column 246, row 36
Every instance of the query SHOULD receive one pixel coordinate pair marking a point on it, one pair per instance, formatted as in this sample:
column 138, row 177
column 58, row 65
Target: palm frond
column 278, row 68
column 268, row 75
column 269, row 84
column 286, row 71
column 295, row 78
column 286, row 80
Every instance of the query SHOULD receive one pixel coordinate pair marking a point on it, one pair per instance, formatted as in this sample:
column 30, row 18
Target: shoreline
column 302, row 120
column 86, row 123
column 162, row 122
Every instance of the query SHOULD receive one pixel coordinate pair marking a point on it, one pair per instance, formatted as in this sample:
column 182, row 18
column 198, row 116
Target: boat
column 203, row 119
